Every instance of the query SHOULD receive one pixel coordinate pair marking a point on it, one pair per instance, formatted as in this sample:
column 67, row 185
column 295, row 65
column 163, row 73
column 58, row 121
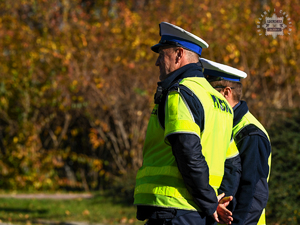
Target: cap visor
column 156, row 47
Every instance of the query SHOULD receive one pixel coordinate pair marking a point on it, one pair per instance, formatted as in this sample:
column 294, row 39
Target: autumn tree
column 77, row 80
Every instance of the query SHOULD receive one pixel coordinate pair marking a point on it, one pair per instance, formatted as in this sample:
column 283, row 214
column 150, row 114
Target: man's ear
column 227, row 92
column 179, row 54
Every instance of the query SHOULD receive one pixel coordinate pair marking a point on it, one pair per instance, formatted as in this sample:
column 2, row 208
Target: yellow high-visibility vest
column 158, row 181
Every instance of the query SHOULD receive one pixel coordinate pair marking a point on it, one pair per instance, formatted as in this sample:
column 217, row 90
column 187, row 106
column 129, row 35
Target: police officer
column 187, row 138
column 253, row 144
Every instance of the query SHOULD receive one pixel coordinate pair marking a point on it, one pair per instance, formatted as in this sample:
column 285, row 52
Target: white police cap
column 172, row 35
column 216, row 71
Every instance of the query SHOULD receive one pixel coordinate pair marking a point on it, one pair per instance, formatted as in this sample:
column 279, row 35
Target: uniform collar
column 189, row 70
column 240, row 110
column 237, row 105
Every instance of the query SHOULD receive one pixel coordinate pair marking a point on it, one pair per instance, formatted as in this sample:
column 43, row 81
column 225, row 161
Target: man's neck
column 232, row 103
column 235, row 104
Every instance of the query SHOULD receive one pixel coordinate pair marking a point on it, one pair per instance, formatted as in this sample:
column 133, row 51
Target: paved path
column 47, row 196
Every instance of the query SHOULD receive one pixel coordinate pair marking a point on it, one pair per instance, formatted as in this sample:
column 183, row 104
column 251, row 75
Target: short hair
column 237, row 90
column 192, row 56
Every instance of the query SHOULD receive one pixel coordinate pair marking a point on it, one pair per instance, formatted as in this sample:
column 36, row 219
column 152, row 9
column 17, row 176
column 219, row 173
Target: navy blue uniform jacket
column 254, row 148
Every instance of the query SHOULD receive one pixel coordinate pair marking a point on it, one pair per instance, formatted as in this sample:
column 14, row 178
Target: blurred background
column 77, row 80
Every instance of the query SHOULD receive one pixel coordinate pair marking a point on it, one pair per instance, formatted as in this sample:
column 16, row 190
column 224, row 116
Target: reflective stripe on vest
column 168, row 171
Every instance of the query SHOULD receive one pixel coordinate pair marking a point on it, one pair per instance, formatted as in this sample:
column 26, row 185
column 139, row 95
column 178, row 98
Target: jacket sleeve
column 232, row 174
column 252, row 194
column 194, row 170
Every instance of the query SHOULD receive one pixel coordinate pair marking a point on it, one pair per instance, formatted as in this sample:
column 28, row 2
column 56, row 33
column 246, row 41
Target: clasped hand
column 222, row 214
